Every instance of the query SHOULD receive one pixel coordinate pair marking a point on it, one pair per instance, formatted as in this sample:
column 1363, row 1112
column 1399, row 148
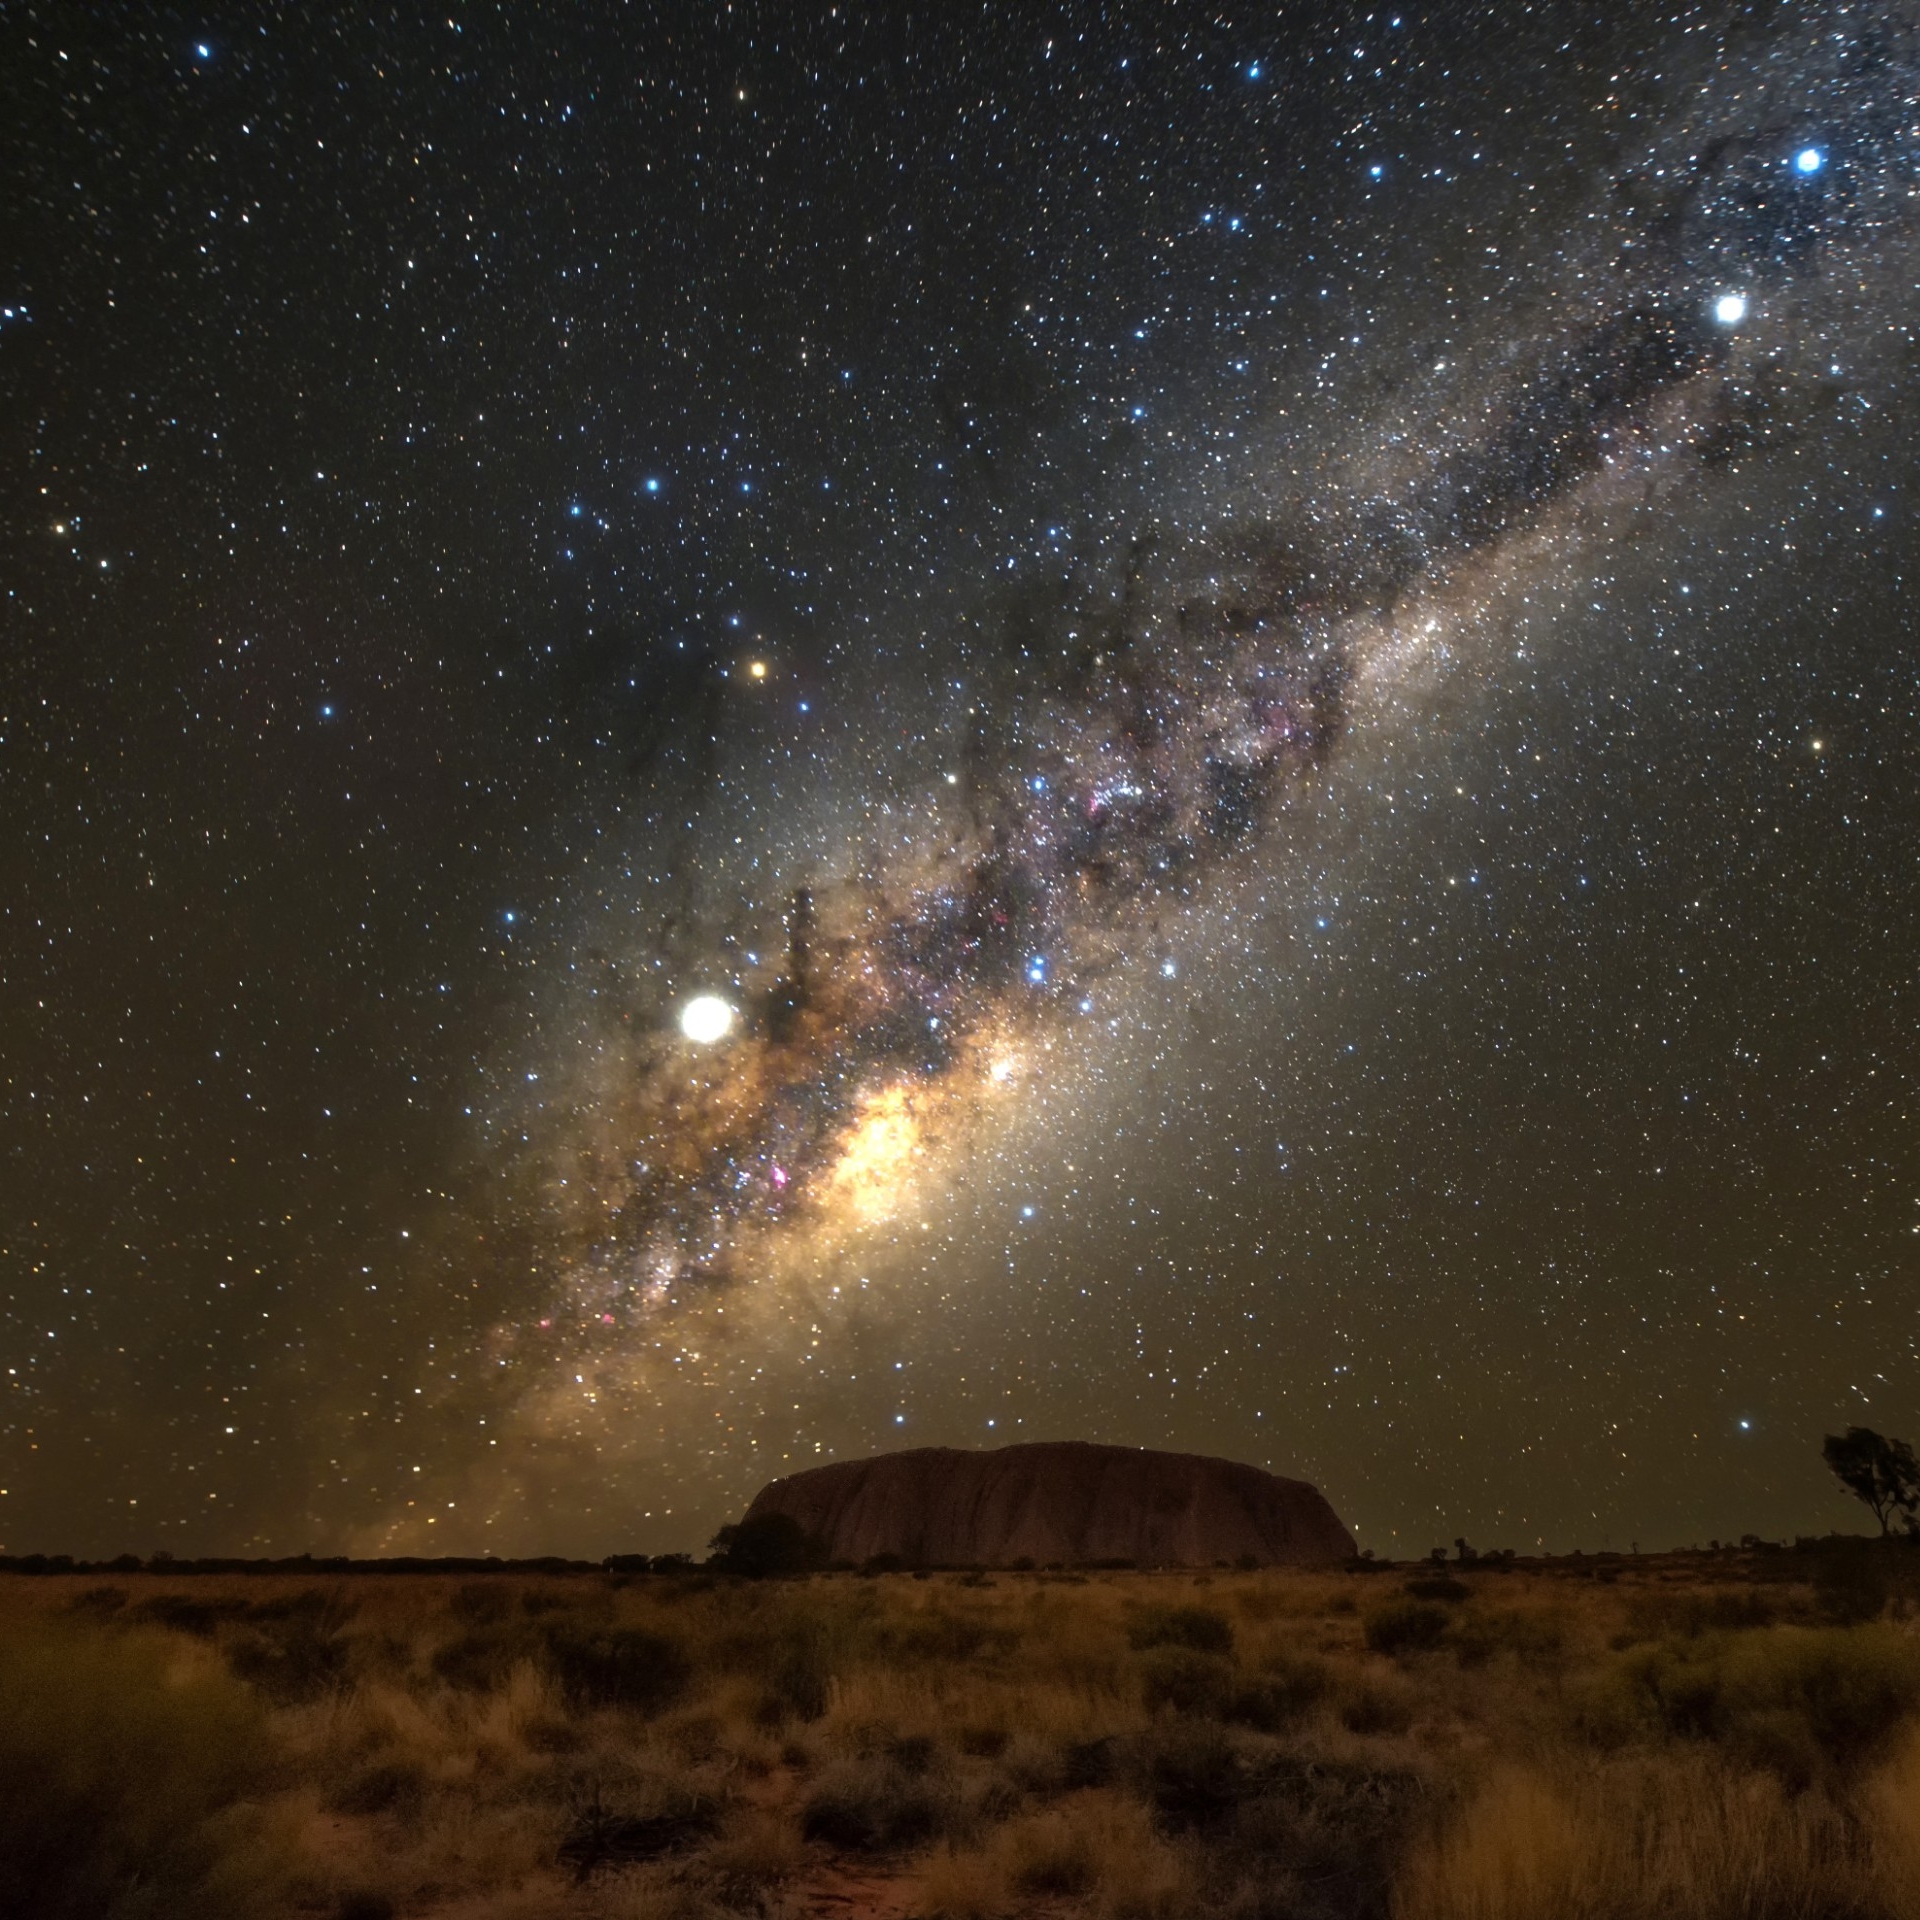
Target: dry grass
column 1679, row 1737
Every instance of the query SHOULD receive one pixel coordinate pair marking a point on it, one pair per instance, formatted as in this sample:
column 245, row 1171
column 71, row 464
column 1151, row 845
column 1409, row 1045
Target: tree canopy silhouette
column 1874, row 1469
column 769, row 1545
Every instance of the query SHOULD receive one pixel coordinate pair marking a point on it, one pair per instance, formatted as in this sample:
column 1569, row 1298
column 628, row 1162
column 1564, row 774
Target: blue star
column 1809, row 160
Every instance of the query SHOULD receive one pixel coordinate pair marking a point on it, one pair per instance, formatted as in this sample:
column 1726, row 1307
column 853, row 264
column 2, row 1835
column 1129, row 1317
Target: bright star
column 1809, row 160
column 706, row 1018
column 1730, row 309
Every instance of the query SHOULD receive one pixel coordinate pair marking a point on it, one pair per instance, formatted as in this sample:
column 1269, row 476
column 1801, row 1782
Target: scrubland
column 1715, row 1735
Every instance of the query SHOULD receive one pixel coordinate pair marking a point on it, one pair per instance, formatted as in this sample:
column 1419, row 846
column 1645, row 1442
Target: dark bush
column 1437, row 1586
column 300, row 1662
column 1186, row 1681
column 769, row 1546
column 624, row 1667
column 602, row 1834
column 914, row 1754
column 1089, row 1763
column 1406, row 1626
column 959, row 1637
column 389, row 1787
column 1193, row 1776
column 1535, row 1638
column 481, row 1603
column 481, row 1660
column 876, row 1806
column 99, row 1601
column 1340, row 1829
column 1375, row 1710
column 1280, row 1696
column 310, row 1603
column 1850, row 1583
column 797, row 1662
column 187, row 1613
column 1201, row 1629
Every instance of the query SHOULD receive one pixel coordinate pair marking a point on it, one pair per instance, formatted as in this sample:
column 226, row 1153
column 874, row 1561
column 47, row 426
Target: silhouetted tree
column 1881, row 1472
column 771, row 1545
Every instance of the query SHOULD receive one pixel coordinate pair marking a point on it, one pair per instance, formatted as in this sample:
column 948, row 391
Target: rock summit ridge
column 1058, row 1502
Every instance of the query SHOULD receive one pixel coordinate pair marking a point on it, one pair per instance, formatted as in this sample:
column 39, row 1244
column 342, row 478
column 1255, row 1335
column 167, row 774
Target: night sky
column 1260, row 654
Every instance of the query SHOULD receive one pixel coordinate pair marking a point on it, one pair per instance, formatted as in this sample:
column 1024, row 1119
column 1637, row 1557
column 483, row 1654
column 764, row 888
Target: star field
column 735, row 736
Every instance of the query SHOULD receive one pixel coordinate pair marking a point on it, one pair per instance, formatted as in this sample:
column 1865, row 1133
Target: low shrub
column 1183, row 1681
column 757, row 1852
column 1851, row 1584
column 1405, row 1626
column 877, row 1805
column 1200, row 1629
column 1797, row 1700
column 1367, row 1708
column 1645, row 1839
column 796, row 1662
column 202, row 1616
column 389, row 1786
column 481, row 1603
column 481, row 1660
column 299, row 1662
column 958, row 1638
column 1286, row 1689
column 606, row 1832
column 1193, row 1776
column 114, row 1774
column 620, row 1667
column 1538, row 1639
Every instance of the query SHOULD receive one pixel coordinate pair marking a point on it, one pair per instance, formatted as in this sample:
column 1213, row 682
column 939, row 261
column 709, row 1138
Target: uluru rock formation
column 1057, row 1503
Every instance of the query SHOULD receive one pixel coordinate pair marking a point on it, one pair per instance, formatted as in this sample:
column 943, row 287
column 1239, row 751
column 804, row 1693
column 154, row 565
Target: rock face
column 1058, row 1503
